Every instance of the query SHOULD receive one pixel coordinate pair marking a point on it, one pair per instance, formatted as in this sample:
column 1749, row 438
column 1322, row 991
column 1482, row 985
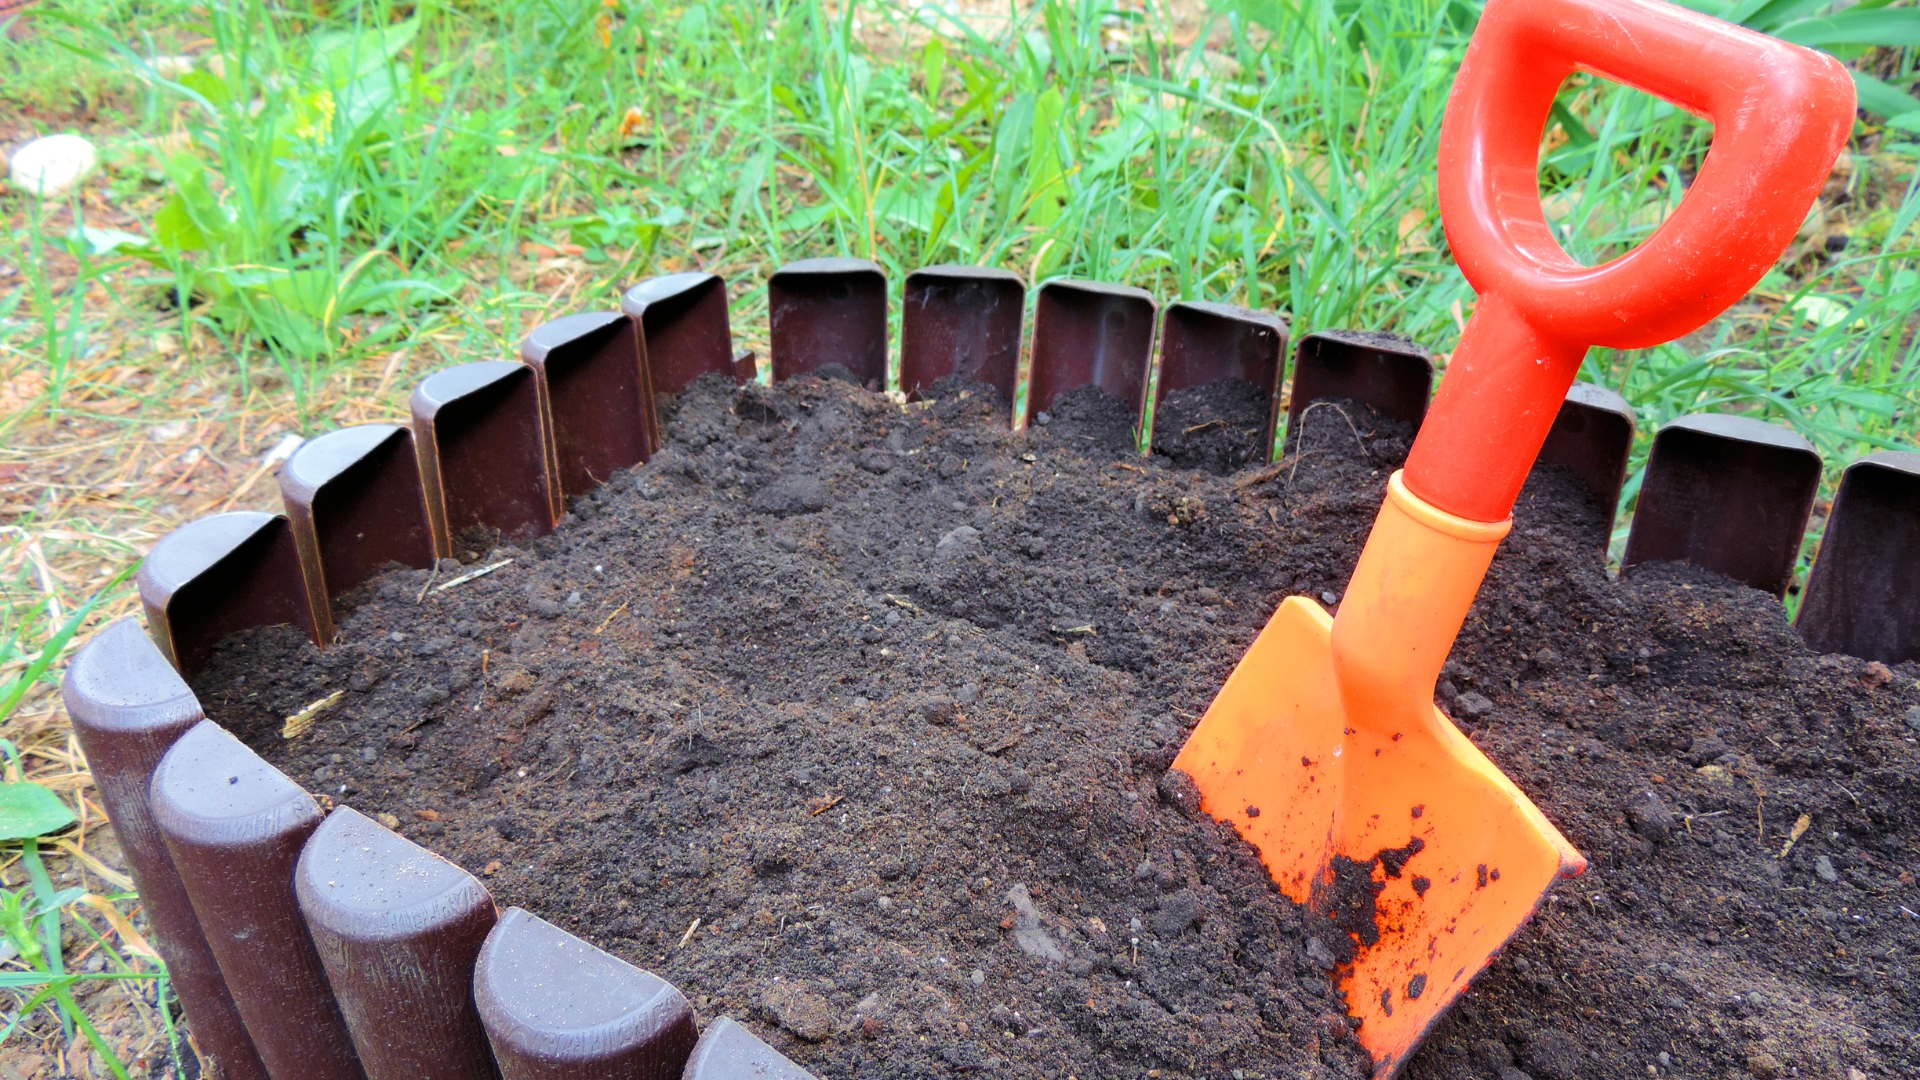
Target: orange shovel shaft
column 1502, row 392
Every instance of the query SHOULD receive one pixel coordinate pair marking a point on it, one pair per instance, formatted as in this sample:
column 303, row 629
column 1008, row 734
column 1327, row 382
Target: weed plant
column 326, row 189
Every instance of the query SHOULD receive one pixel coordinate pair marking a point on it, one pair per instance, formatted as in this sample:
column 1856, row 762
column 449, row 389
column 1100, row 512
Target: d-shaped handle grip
column 1781, row 114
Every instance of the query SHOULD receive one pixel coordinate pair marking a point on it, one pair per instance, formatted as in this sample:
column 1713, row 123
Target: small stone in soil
column 1706, row 748
column 1491, row 1053
column 1475, row 705
column 1177, row 912
column 793, row 495
column 1554, row 1055
column 1647, row 813
column 1319, row 954
column 1028, row 933
column 1823, row 869
column 958, row 541
column 805, row 1015
column 1178, row 790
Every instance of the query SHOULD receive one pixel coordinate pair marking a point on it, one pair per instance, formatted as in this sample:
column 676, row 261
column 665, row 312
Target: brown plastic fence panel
column 1203, row 342
column 482, row 443
column 1388, row 372
column 221, row 574
column 592, row 375
column 682, row 321
column 824, row 312
column 1592, row 438
column 129, row 706
column 1728, row 493
column 556, row 1008
column 728, row 1051
column 961, row 320
column 1090, row 333
column 1863, row 597
column 235, row 826
column 355, row 504
column 398, row 929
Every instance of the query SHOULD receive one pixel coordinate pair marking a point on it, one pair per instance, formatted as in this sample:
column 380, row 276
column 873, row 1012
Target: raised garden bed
column 850, row 717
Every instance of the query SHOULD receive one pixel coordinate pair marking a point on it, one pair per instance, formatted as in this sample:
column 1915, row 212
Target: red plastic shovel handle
column 1780, row 113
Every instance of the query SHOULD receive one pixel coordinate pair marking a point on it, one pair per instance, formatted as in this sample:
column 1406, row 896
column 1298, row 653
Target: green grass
column 354, row 183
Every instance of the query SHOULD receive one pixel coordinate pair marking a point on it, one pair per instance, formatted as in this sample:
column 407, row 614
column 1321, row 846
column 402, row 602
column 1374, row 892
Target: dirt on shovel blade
column 853, row 721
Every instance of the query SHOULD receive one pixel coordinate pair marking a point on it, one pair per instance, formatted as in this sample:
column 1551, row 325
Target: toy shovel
column 1324, row 748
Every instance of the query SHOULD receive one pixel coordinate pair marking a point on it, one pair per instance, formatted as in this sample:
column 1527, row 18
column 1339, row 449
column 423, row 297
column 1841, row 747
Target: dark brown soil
column 1220, row 427
column 884, row 697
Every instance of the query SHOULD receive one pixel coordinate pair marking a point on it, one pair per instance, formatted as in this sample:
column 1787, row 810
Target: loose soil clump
column 1220, row 427
column 853, row 721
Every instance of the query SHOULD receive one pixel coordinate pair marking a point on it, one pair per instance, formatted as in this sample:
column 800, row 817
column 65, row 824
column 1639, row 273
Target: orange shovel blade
column 1420, row 853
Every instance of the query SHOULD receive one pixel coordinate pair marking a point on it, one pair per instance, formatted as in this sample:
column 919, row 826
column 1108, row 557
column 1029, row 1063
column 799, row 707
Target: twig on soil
column 302, row 722
column 609, row 619
column 688, row 936
column 1254, row 478
column 1203, row 427
column 1799, row 830
column 1689, row 819
column 464, row 578
column 1299, row 444
column 828, row 805
column 432, row 575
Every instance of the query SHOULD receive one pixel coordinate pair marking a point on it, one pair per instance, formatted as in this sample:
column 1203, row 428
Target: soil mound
column 1220, row 427
column 853, row 720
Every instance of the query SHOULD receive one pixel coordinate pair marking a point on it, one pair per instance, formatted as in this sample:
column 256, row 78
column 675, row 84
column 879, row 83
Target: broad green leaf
column 1822, row 310
column 1895, row 28
column 910, row 204
column 1767, row 14
column 1271, row 14
column 1882, row 98
column 195, row 200
column 933, row 66
column 1577, row 132
column 1046, row 190
column 58, row 900
column 29, row 810
column 802, row 218
column 25, row 980
column 94, row 242
column 343, row 55
column 207, row 85
column 1719, row 9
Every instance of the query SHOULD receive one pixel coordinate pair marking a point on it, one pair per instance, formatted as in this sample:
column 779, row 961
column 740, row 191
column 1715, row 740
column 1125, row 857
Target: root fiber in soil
column 853, row 721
